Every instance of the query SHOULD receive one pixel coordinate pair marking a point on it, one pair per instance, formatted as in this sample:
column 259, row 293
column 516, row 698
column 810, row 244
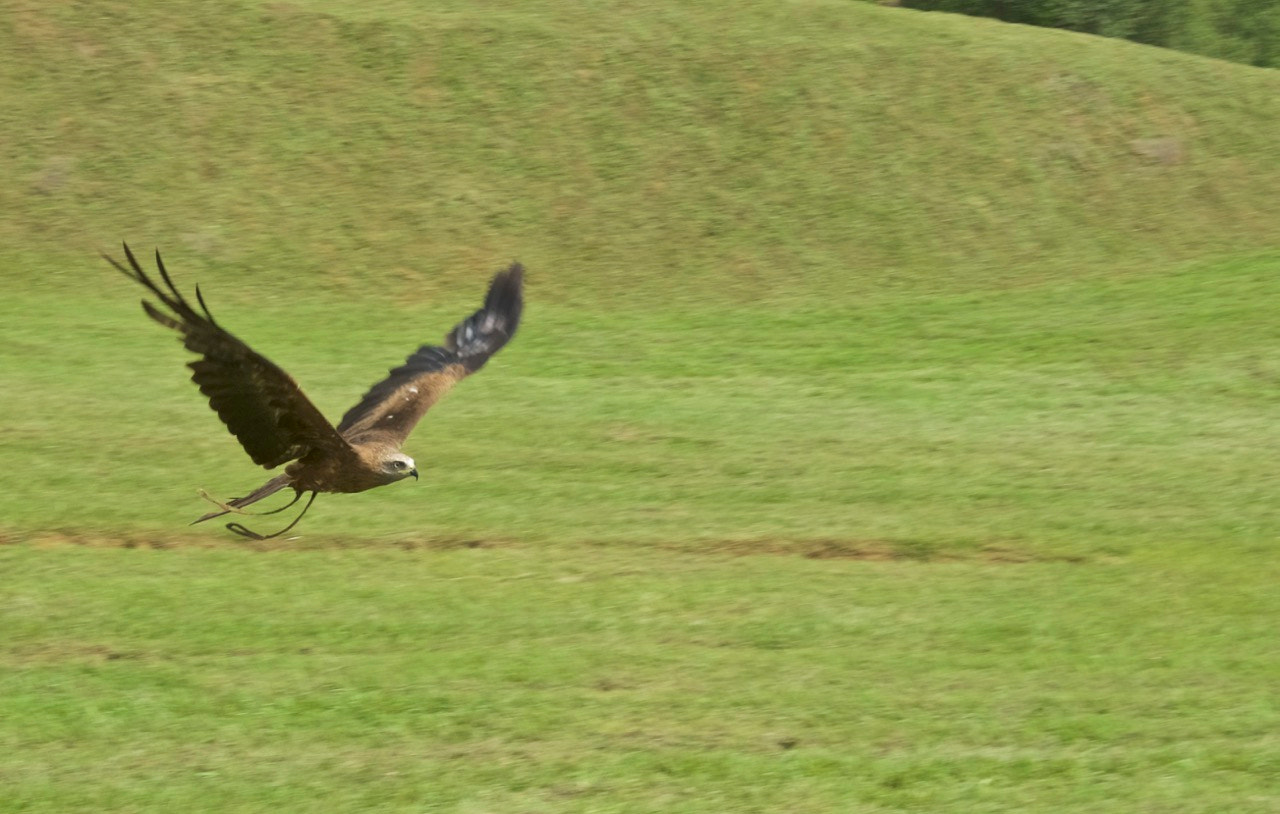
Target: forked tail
column 236, row 504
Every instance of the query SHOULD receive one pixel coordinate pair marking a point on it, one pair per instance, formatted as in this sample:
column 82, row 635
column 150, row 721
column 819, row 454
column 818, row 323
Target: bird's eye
column 398, row 464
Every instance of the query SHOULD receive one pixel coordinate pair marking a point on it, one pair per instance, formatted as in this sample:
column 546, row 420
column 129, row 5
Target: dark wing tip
column 135, row 274
column 485, row 332
column 506, row 295
column 514, row 272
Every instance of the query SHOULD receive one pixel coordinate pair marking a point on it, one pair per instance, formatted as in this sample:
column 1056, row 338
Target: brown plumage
column 276, row 423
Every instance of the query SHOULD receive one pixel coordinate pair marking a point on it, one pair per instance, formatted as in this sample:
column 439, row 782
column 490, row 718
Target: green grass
column 892, row 427
column 526, row 679
column 1060, row 420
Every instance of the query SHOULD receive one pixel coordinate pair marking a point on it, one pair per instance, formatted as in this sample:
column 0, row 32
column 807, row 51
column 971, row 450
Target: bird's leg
column 296, row 497
column 228, row 508
column 253, row 535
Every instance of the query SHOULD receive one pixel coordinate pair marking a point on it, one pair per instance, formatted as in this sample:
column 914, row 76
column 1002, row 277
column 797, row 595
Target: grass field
column 892, row 428
column 563, row 679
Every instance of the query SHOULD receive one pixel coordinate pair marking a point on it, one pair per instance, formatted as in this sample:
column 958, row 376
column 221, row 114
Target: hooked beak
column 414, row 472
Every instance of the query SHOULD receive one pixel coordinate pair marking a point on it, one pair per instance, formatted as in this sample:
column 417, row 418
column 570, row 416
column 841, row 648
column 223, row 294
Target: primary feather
column 259, row 403
column 393, row 406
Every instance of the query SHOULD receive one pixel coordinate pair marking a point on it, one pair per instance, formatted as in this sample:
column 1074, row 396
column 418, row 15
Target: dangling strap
column 253, row 535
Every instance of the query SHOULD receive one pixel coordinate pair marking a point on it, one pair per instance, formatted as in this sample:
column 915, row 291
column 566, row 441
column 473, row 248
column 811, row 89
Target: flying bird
column 276, row 423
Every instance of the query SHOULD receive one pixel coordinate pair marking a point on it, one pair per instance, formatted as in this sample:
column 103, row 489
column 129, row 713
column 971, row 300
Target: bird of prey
column 276, row 423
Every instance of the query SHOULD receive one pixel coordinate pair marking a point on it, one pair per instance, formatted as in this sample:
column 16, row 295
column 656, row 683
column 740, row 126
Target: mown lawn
column 998, row 552
column 892, row 428
column 1091, row 418
column 577, row 678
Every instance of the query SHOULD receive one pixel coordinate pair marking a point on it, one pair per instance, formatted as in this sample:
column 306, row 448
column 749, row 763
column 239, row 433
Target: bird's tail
column 236, row 504
column 483, row 334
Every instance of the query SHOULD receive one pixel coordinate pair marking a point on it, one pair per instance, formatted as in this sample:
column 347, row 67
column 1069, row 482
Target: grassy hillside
column 892, row 428
column 783, row 150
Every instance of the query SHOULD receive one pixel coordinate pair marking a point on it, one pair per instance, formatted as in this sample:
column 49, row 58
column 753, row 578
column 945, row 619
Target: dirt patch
column 881, row 550
column 869, row 550
column 62, row 652
column 61, row 538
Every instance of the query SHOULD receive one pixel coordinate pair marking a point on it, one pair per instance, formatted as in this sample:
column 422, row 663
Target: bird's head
column 399, row 466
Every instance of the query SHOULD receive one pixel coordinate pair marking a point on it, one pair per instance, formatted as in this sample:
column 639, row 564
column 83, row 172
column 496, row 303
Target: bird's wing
column 391, row 408
column 260, row 404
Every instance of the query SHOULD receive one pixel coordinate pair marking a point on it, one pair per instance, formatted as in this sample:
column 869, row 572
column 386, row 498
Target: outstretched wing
column 260, row 404
column 391, row 408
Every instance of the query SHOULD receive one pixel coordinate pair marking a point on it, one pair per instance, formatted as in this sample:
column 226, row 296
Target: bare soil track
column 829, row 549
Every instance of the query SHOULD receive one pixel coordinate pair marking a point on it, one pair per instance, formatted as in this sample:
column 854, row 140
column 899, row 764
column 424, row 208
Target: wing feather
column 259, row 403
column 393, row 406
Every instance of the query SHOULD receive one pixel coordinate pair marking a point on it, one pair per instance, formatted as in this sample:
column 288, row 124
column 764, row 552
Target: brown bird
column 276, row 423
